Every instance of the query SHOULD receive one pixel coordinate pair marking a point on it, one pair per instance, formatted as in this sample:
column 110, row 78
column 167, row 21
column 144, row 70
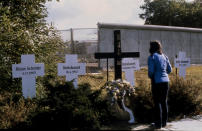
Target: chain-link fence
column 83, row 42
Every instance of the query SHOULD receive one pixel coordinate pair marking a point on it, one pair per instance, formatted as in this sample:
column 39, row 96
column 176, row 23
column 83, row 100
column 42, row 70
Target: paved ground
column 187, row 124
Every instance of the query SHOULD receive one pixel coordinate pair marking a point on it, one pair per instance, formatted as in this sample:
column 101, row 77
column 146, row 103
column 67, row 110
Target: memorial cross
column 117, row 55
column 182, row 63
column 71, row 69
column 128, row 66
column 28, row 70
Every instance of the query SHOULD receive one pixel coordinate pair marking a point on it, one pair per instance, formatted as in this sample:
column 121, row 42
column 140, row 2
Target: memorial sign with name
column 28, row 70
column 128, row 66
column 182, row 63
column 71, row 69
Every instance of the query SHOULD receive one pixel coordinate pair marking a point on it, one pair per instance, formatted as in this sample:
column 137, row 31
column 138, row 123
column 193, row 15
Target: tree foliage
column 23, row 30
column 172, row 13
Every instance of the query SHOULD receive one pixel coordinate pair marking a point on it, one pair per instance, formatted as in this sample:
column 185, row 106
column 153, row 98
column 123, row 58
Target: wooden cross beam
column 105, row 55
column 117, row 55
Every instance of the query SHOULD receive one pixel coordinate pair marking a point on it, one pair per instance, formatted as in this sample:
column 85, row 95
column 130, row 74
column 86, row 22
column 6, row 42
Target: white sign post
column 71, row 69
column 182, row 63
column 128, row 66
column 28, row 70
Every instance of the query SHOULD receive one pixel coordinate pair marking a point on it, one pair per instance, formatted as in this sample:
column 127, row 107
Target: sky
column 87, row 13
column 68, row 14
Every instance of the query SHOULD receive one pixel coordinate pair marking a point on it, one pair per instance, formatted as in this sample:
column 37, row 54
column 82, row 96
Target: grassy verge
column 185, row 98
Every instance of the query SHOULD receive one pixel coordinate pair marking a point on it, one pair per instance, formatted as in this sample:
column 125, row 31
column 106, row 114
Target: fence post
column 72, row 42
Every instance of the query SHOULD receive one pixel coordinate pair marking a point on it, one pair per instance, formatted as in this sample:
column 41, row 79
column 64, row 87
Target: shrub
column 183, row 99
column 62, row 106
column 14, row 109
column 69, row 108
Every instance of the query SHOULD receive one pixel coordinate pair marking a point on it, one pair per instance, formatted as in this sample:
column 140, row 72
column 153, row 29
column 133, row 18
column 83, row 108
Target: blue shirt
column 159, row 67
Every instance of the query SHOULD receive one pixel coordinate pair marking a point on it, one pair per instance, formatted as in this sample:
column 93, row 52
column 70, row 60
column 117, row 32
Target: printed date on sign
column 72, row 72
column 29, row 73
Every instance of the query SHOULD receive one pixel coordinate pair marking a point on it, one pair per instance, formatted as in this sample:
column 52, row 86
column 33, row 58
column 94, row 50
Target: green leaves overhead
column 172, row 13
column 23, row 30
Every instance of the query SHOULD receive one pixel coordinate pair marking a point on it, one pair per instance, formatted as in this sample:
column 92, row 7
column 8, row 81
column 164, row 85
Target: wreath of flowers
column 118, row 88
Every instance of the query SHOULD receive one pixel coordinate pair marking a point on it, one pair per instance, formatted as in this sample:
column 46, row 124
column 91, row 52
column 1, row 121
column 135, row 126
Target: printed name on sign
column 71, row 67
column 27, row 70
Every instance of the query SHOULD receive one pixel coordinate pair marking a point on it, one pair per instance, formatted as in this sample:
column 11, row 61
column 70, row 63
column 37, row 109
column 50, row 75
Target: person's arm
column 151, row 67
column 169, row 67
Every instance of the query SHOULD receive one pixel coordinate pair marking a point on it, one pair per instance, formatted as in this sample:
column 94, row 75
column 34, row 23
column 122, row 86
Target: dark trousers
column 159, row 94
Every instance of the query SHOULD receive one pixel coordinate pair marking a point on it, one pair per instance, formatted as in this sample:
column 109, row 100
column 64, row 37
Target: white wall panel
column 106, row 40
column 129, row 41
column 137, row 38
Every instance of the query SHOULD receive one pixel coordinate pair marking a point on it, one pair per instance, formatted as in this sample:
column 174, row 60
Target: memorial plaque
column 28, row 70
column 129, row 65
column 71, row 69
column 182, row 63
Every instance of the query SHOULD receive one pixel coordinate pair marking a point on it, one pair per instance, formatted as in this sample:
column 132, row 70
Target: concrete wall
column 137, row 37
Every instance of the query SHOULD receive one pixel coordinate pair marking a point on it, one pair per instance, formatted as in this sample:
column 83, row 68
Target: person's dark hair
column 155, row 47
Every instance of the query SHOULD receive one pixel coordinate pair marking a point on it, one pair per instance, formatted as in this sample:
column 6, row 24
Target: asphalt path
column 186, row 124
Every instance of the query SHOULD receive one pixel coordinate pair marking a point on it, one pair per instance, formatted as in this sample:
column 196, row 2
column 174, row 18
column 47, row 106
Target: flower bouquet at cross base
column 117, row 90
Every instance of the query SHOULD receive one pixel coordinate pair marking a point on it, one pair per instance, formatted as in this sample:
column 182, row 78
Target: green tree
column 23, row 30
column 172, row 13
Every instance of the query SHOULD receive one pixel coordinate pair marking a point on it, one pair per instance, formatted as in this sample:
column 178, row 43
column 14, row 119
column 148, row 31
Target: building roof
column 148, row 27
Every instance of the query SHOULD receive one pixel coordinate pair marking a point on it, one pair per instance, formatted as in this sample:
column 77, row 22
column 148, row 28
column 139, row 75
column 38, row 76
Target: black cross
column 117, row 55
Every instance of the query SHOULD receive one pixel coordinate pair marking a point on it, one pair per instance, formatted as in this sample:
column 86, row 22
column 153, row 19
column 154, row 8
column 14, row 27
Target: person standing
column 158, row 69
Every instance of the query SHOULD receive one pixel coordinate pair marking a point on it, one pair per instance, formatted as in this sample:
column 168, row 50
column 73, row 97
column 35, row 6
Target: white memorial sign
column 128, row 66
column 28, row 70
column 182, row 63
column 71, row 69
